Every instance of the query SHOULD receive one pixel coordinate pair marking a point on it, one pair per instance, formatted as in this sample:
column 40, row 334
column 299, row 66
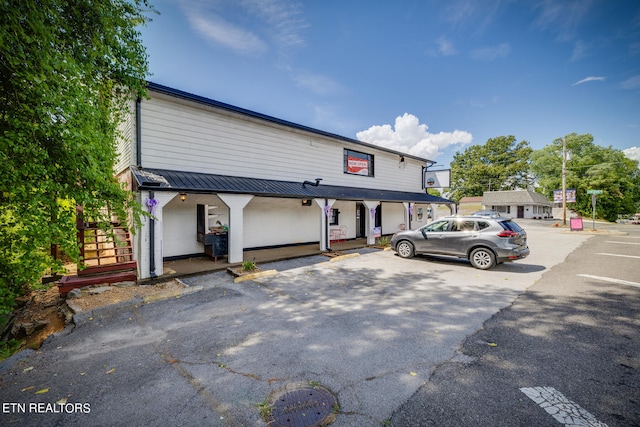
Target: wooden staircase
column 107, row 257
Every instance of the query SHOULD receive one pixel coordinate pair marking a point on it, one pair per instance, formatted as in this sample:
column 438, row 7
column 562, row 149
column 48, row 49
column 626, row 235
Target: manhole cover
column 304, row 407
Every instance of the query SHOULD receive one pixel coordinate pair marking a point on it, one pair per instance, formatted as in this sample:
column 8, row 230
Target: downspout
column 152, row 243
column 326, row 226
column 138, row 132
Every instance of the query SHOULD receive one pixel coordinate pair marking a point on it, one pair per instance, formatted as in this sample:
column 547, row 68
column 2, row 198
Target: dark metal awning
column 193, row 182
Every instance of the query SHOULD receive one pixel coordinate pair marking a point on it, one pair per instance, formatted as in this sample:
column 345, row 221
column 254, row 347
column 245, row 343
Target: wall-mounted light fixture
column 311, row 183
column 183, row 196
column 306, row 202
column 402, row 163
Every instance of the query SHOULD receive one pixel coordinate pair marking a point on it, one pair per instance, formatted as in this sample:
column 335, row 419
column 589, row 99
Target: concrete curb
column 341, row 257
column 257, row 275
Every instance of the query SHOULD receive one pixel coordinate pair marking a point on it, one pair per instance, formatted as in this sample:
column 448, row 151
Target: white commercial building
column 219, row 179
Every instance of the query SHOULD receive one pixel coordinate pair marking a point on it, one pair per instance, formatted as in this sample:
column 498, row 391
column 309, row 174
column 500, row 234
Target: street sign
column 594, row 191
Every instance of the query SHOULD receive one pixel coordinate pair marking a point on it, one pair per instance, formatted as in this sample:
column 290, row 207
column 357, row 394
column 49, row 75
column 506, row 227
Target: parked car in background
column 484, row 240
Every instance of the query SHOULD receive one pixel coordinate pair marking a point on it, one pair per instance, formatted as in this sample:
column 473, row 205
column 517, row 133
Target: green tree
column 500, row 164
column 67, row 70
column 589, row 167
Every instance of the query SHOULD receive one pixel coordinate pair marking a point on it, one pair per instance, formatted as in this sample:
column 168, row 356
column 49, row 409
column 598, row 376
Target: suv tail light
column 508, row 233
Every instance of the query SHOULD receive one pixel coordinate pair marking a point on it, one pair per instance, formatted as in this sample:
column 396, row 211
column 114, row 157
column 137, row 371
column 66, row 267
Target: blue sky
column 424, row 77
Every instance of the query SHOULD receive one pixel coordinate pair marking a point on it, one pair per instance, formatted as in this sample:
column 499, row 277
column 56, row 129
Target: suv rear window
column 510, row 225
column 483, row 224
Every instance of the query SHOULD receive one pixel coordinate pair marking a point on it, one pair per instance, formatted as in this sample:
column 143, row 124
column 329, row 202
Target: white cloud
column 631, row 83
column 445, row 47
column 227, row 24
column 589, row 79
column 411, row 137
column 633, row 153
column 283, row 16
column 563, row 18
column 492, row 52
column 219, row 31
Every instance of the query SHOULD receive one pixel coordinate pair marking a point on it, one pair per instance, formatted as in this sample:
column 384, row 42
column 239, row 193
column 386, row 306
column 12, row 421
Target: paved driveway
column 369, row 328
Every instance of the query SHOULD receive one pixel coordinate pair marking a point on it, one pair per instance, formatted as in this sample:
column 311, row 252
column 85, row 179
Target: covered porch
column 187, row 209
column 202, row 265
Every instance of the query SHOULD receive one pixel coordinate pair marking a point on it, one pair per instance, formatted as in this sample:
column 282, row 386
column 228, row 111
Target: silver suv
column 485, row 241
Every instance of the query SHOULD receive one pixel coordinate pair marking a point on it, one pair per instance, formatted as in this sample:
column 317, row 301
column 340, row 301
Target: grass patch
column 8, row 348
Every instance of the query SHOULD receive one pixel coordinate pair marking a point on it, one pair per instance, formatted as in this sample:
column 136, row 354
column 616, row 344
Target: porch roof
column 194, row 182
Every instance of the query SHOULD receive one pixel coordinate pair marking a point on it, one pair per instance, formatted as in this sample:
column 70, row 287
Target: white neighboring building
column 518, row 204
column 218, row 175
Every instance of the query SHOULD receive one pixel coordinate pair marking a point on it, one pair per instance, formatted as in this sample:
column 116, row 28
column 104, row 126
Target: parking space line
column 611, row 280
column 559, row 407
column 620, row 255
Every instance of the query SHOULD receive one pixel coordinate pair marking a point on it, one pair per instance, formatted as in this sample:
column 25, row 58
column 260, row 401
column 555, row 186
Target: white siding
column 268, row 222
column 190, row 137
column 125, row 142
column 392, row 217
column 347, row 217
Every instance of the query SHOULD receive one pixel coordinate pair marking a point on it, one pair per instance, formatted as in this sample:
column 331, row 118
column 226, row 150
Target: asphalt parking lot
column 370, row 328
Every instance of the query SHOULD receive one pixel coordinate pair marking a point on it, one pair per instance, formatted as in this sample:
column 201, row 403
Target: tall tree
column 501, row 163
column 590, row 167
column 67, row 69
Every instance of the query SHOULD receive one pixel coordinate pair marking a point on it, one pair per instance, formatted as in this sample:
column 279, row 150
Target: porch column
column 325, row 212
column 370, row 220
column 236, row 204
column 148, row 250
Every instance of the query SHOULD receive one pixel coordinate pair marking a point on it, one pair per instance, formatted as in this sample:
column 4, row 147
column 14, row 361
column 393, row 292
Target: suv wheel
column 405, row 249
column 482, row 258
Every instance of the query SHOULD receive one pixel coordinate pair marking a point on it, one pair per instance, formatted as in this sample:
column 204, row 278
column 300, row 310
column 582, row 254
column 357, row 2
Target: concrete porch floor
column 204, row 264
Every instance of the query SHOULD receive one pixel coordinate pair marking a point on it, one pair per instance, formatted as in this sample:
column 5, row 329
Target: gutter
column 138, row 132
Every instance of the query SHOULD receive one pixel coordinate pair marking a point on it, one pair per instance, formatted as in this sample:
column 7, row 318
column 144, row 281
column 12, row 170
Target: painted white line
column 620, row 255
column 611, row 280
column 623, row 243
column 559, row 407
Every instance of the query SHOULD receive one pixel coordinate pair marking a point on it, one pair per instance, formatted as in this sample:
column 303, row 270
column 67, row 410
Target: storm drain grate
column 304, row 407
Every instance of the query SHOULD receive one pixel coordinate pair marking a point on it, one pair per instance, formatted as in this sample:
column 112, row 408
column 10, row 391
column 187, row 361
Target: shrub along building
column 219, row 180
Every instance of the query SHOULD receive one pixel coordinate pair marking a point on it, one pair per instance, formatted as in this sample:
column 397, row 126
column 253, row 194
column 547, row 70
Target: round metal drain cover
column 304, row 407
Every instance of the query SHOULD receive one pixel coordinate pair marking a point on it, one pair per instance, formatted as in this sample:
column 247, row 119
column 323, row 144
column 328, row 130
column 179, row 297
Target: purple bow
column 151, row 204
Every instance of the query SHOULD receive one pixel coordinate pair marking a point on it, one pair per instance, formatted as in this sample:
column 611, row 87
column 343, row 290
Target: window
column 356, row 163
column 333, row 219
column 437, row 226
column 462, row 226
column 502, row 209
column 482, row 225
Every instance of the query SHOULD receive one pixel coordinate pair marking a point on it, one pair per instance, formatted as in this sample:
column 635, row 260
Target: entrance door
column 360, row 220
column 520, row 211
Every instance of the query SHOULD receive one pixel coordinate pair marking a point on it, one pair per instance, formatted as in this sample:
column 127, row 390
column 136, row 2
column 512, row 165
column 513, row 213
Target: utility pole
column 564, row 182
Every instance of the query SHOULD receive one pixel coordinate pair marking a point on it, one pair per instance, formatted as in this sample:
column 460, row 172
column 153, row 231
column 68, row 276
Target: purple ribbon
column 151, row 204
column 373, row 212
column 327, row 210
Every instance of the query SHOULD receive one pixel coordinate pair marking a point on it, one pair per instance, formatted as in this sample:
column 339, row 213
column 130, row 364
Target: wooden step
column 68, row 283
